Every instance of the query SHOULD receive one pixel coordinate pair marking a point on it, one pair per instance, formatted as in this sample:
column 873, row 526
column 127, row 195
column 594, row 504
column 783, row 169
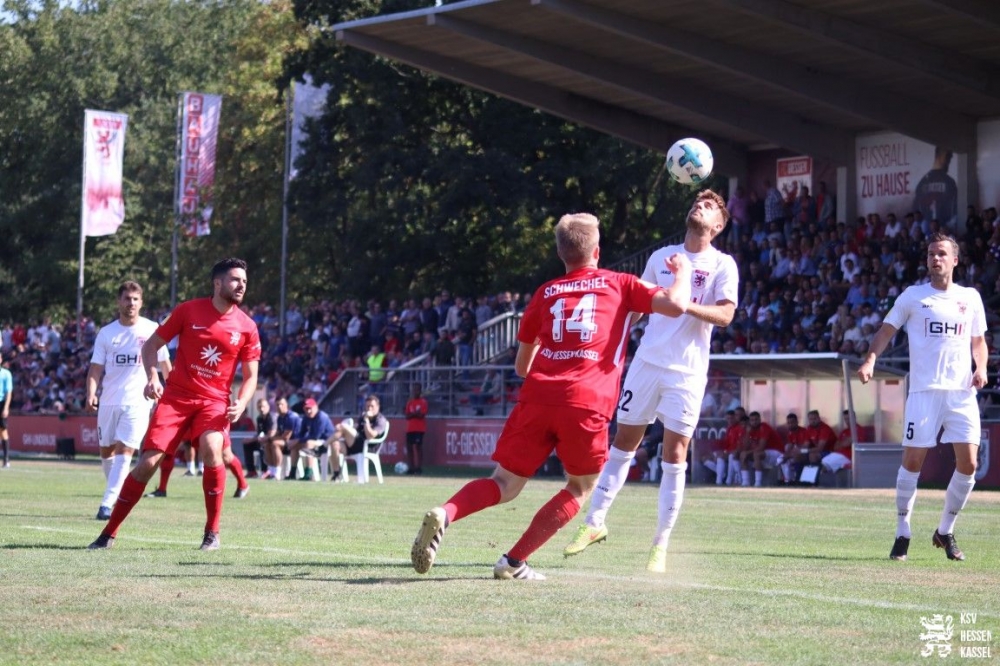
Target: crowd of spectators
column 809, row 283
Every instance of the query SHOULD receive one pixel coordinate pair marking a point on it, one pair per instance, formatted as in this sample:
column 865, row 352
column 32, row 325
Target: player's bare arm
column 720, row 314
column 980, row 354
column 675, row 299
column 885, row 334
column 93, row 380
column 154, row 388
column 525, row 356
column 245, row 395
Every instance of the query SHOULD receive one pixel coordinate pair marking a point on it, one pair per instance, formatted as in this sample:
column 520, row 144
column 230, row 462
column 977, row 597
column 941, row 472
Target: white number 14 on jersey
column 581, row 321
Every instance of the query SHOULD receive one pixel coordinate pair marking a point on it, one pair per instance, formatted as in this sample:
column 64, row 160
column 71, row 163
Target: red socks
column 128, row 497
column 236, row 467
column 213, row 482
column 556, row 514
column 166, row 467
column 474, row 496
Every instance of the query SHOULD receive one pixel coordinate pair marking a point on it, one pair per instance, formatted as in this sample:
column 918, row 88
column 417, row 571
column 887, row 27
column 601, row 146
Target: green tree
column 411, row 182
column 135, row 57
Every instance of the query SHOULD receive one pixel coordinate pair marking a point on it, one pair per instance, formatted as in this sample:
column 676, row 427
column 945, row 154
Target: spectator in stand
column 466, row 336
column 454, row 315
column 429, row 320
column 762, row 451
column 484, row 312
column 294, row 320
column 826, row 205
column 774, row 204
column 375, row 359
column 738, row 206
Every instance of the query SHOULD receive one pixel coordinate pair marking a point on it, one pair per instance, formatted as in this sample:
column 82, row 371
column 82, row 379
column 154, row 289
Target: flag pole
column 284, row 205
column 83, row 237
column 177, row 208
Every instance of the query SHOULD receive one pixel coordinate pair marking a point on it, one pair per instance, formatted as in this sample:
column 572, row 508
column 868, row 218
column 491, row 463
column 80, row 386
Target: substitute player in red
column 213, row 336
column 571, row 347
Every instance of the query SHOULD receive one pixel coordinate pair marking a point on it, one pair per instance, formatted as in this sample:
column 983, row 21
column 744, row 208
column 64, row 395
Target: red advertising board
column 467, row 442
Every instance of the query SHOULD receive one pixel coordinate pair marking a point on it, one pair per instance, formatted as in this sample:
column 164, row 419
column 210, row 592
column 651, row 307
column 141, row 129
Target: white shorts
column 650, row 392
column 122, row 423
column 835, row 461
column 772, row 458
column 928, row 412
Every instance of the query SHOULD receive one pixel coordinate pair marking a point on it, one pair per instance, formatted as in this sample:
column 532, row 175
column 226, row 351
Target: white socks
column 116, row 477
column 906, row 495
column 671, row 499
column 954, row 500
column 733, row 478
column 106, row 466
column 611, row 481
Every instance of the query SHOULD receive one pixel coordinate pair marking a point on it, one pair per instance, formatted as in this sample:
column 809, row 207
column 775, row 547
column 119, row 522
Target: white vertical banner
column 198, row 141
column 103, row 206
column 899, row 174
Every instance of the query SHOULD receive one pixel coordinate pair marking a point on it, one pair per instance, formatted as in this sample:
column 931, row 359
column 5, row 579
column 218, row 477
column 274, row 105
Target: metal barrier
column 475, row 390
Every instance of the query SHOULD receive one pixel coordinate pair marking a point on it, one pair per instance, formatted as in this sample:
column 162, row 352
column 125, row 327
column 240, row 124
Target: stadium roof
column 804, row 75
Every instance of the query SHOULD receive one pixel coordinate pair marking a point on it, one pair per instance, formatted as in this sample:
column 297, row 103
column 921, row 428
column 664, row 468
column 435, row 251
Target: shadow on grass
column 40, row 546
column 783, row 556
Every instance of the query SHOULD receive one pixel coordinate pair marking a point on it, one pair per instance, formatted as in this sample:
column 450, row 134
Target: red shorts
column 579, row 437
column 180, row 418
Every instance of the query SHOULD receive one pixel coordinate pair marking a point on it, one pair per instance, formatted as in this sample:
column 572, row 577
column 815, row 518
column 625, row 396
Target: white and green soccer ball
column 690, row 161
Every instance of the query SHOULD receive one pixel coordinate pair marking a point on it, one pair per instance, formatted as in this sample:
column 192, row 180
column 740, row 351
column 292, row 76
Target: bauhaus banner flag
column 199, row 136
column 103, row 152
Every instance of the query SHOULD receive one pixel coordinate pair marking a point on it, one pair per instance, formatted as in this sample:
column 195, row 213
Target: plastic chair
column 369, row 455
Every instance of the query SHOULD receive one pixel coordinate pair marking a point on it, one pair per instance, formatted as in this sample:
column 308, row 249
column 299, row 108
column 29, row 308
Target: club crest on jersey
column 234, row 338
column 961, row 307
column 700, row 278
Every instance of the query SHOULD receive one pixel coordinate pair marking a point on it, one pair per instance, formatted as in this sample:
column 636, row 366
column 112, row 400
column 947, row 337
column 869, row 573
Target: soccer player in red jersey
column 765, row 449
column 416, row 425
column 213, row 336
column 571, row 347
column 796, row 449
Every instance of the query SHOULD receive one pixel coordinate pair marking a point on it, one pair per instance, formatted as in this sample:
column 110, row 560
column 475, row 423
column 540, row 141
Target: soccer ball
column 402, row 467
column 690, row 161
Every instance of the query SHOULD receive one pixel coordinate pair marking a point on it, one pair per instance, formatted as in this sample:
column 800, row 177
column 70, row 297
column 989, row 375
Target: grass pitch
column 315, row 573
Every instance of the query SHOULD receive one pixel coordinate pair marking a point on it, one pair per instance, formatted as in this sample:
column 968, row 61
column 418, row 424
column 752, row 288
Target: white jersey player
column 945, row 326
column 123, row 411
column 667, row 377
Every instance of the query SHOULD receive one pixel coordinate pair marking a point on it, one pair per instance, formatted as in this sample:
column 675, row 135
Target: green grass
column 316, row 573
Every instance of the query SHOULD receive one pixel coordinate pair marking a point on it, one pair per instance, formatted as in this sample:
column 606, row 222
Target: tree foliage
column 411, row 182
column 408, row 183
column 134, row 57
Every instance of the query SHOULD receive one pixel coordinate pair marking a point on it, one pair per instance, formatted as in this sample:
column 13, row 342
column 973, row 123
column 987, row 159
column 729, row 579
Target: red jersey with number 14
column 209, row 347
column 580, row 321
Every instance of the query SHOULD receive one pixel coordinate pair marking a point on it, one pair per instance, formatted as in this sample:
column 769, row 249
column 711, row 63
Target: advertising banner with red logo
column 794, row 173
column 196, row 163
column 469, row 443
column 103, row 209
